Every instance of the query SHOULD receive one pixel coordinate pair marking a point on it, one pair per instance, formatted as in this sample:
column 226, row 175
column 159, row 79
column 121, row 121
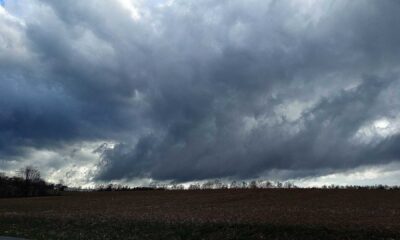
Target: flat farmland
column 206, row 214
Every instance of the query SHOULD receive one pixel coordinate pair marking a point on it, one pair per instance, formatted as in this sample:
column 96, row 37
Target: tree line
column 27, row 183
column 219, row 184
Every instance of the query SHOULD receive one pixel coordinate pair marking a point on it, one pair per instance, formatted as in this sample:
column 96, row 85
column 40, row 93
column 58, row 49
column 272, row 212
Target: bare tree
column 29, row 174
column 207, row 185
column 217, row 184
column 195, row 186
column 234, row 185
column 269, row 184
column 253, row 185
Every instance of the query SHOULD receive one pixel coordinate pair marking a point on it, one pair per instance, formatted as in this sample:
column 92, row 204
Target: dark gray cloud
column 191, row 90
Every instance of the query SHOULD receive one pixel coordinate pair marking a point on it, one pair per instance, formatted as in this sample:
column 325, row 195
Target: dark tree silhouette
column 29, row 174
column 27, row 184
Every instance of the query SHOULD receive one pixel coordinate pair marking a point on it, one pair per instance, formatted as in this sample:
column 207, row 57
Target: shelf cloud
column 187, row 90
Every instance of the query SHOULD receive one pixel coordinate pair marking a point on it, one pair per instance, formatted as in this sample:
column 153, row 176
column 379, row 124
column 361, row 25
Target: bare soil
column 375, row 211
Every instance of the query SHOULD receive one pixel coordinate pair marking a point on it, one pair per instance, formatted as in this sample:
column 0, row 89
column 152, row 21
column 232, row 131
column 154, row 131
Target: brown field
column 355, row 211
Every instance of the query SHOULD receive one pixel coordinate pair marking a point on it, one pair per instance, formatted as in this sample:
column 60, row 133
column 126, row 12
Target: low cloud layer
column 191, row 90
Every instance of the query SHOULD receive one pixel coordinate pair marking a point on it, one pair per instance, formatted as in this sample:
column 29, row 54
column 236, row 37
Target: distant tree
column 217, row 184
column 260, row 183
column 109, row 188
column 60, row 186
column 29, row 174
column 253, row 184
column 207, row 185
column 27, row 183
column 234, row 185
column 194, row 186
column 289, row 185
column 176, row 186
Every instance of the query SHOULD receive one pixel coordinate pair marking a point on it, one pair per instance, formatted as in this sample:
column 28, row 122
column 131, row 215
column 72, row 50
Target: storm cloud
column 190, row 90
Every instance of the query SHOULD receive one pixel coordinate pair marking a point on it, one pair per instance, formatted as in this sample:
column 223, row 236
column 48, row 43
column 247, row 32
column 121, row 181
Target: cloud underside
column 191, row 90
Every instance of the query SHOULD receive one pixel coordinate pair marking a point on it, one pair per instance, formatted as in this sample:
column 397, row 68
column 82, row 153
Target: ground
column 206, row 214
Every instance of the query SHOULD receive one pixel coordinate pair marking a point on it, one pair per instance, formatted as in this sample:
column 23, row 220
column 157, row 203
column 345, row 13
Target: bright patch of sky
column 388, row 174
column 131, row 7
column 80, row 163
column 378, row 130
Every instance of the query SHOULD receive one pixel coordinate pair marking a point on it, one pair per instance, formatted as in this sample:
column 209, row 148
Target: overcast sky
column 187, row 90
